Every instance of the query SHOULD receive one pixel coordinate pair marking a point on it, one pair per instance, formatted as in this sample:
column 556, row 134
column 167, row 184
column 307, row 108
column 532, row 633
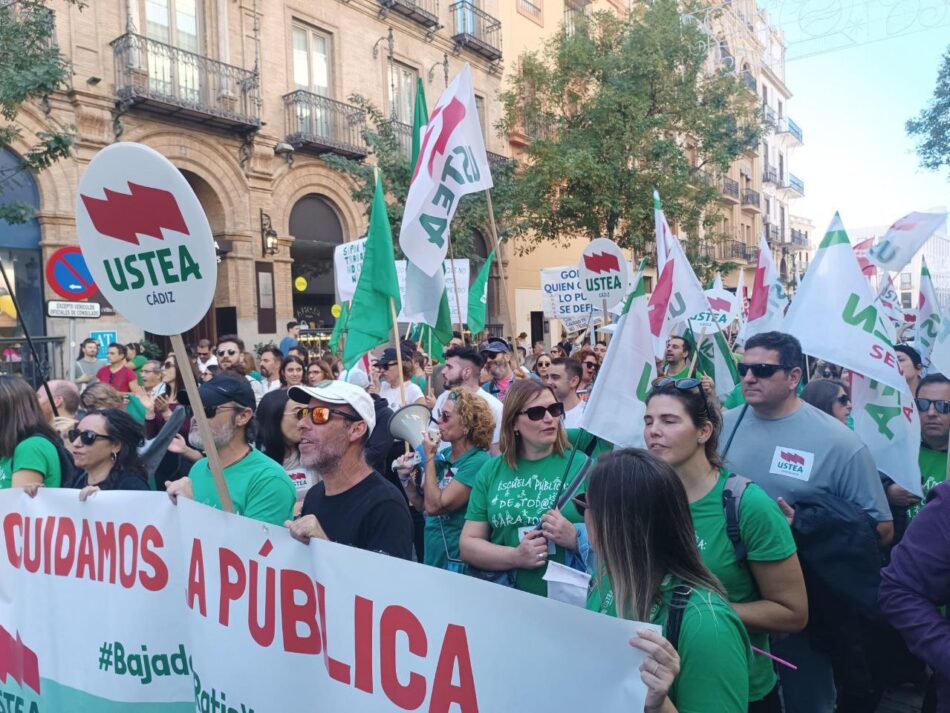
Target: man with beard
column 353, row 504
column 496, row 354
column 231, row 356
column 260, row 488
column 271, row 357
column 462, row 367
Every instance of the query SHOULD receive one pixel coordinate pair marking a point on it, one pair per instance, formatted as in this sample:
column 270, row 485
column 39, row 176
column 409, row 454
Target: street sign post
column 68, row 276
column 73, row 310
column 149, row 247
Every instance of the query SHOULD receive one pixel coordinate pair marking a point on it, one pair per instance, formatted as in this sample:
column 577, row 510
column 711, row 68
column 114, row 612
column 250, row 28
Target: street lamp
column 268, row 236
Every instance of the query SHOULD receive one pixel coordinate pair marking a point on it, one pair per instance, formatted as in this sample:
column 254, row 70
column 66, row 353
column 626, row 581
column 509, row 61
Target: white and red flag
column 768, row 299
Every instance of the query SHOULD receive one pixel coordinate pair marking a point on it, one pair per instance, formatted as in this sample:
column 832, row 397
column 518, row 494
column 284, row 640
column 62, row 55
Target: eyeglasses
column 844, row 400
column 544, row 363
column 684, row 385
column 762, row 371
column 227, row 352
column 87, row 438
column 536, row 413
column 319, row 415
column 444, row 417
column 592, row 365
column 210, row 411
column 940, row 405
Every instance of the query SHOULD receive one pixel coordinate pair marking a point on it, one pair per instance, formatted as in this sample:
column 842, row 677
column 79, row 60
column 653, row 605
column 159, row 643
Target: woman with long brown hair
column 28, row 454
column 512, row 525
column 650, row 570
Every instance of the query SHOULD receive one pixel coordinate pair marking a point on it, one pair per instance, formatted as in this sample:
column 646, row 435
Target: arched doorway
column 317, row 230
column 20, row 254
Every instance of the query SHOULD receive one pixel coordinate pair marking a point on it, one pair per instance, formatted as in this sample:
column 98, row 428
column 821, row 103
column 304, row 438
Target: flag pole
column 402, row 384
column 496, row 245
column 429, row 376
column 699, row 343
column 455, row 287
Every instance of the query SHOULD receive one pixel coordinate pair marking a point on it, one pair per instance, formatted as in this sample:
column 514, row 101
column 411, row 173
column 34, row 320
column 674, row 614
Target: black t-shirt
column 122, row 480
column 372, row 515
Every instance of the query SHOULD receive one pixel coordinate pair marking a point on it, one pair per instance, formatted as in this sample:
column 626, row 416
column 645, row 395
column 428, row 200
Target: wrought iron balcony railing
column 403, row 134
column 730, row 188
column 174, row 81
column 773, row 233
column 324, row 124
column 796, row 185
column 425, row 12
column 749, row 80
column 531, row 9
column 800, row 238
column 770, row 174
column 476, row 30
column 787, row 126
column 768, row 115
column 735, row 250
column 496, row 159
column 751, row 199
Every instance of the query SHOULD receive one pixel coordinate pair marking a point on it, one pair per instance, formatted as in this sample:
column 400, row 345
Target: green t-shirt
column 464, row 470
column 33, row 453
column 582, row 439
column 135, row 409
column 768, row 538
column 260, row 488
column 419, row 381
column 713, row 648
column 933, row 471
column 513, row 501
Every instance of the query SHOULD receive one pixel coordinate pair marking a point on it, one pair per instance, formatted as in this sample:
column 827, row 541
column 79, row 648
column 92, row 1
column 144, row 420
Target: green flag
column 420, row 117
column 371, row 320
column 339, row 328
column 478, row 297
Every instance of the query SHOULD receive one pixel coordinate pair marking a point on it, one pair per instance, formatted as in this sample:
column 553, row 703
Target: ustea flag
column 452, row 163
column 904, row 239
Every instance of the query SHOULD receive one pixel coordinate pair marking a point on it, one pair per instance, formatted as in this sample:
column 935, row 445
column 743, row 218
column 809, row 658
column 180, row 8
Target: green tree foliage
column 610, row 110
column 931, row 128
column 31, row 67
column 390, row 148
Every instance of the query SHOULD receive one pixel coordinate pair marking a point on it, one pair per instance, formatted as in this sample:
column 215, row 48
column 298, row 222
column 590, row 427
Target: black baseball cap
column 220, row 390
column 389, row 356
column 494, row 345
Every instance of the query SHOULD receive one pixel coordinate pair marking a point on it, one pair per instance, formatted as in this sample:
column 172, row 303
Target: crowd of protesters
column 784, row 571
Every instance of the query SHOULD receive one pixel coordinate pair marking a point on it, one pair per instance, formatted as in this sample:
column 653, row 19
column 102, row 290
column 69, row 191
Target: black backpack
column 731, row 500
column 67, row 466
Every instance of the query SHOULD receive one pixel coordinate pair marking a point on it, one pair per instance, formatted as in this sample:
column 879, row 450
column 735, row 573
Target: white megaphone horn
column 410, row 422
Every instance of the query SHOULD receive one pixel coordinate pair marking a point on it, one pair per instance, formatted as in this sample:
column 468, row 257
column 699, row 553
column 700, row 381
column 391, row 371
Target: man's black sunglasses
column 210, row 411
column 941, row 405
column 536, row 413
column 684, row 385
column 762, row 371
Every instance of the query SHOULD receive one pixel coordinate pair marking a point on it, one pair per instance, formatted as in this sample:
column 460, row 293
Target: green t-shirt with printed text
column 449, row 526
column 260, row 488
column 767, row 537
column 933, row 471
column 713, row 648
column 33, row 453
column 513, row 501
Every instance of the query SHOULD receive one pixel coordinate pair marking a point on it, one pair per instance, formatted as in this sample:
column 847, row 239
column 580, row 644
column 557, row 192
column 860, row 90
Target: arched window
column 317, row 230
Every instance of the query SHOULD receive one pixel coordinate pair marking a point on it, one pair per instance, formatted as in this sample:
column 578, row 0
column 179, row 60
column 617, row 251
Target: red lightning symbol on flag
column 18, row 661
column 142, row 211
column 719, row 304
column 758, row 303
column 452, row 115
column 601, row 262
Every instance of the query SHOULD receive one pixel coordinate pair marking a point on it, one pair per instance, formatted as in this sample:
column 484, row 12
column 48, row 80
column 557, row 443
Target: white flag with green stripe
column 927, row 326
column 835, row 317
column 617, row 403
column 715, row 360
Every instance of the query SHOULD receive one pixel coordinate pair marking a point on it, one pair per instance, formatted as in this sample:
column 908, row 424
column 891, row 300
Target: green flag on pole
column 478, row 297
column 420, row 117
column 339, row 328
column 371, row 320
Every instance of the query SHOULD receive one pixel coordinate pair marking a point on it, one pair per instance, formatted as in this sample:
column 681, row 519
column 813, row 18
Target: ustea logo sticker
column 788, row 461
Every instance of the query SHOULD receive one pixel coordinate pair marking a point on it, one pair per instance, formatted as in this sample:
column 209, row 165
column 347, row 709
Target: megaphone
column 410, row 422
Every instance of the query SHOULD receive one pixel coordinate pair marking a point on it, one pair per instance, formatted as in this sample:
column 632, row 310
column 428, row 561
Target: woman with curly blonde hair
column 467, row 424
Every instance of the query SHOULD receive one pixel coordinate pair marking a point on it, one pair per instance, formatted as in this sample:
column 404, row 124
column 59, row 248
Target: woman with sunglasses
column 512, row 527
column 590, row 363
column 766, row 588
column 28, row 452
column 105, row 449
column 649, row 569
column 542, row 365
column 466, row 423
column 278, row 436
column 830, row 396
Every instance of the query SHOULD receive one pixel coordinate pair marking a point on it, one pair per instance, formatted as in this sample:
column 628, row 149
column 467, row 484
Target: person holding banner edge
column 511, row 527
column 28, row 453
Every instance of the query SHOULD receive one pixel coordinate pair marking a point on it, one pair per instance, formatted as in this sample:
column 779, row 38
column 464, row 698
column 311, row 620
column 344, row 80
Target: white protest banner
column 888, row 423
column 604, row 272
column 564, row 293
column 196, row 609
column 460, row 278
column 146, row 239
column 904, row 238
column 347, row 263
column 834, row 317
column 452, row 163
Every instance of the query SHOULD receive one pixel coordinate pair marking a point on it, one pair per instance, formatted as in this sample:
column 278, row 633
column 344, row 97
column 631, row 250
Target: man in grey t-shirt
column 792, row 449
column 85, row 368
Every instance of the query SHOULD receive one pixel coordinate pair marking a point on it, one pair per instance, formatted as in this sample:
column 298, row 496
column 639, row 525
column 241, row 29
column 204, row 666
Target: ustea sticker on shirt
column 793, row 463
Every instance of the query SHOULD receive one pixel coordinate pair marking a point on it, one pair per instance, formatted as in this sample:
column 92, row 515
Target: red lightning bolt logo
column 601, row 262
column 141, row 211
column 452, row 115
column 719, row 304
column 18, row 661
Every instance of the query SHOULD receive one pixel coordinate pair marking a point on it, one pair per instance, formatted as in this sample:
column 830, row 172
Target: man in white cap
column 353, row 504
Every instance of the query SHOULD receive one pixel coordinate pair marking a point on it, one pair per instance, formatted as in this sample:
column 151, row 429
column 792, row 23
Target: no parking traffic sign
column 68, row 276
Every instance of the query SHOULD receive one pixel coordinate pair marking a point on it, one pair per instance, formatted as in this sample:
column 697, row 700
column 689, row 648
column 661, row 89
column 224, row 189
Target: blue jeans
column 810, row 689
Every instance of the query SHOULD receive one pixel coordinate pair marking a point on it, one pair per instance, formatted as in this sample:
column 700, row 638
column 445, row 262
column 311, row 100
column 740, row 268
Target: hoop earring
column 115, row 456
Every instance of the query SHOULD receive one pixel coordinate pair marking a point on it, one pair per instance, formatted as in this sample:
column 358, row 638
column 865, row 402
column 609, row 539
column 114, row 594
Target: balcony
column 751, row 201
column 324, row 125
column 424, row 12
column 773, row 234
column 701, row 176
column 730, row 190
column 768, row 115
column 476, row 30
column 735, row 250
column 496, row 159
column 792, row 187
column 403, row 135
column 749, row 80
column 770, row 175
column 799, row 239
column 790, row 132
column 531, row 9
column 174, row 82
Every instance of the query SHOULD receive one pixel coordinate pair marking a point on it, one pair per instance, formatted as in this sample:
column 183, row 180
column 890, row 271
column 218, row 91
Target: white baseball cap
column 338, row 392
